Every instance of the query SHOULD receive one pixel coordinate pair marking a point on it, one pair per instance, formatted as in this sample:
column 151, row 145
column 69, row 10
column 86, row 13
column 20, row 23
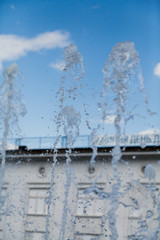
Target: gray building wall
column 31, row 181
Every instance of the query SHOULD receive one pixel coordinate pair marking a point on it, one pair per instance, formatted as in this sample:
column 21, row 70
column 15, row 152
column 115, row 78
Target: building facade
column 42, row 199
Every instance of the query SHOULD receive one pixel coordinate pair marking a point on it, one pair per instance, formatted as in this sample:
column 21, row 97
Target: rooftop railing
column 46, row 142
column 84, row 141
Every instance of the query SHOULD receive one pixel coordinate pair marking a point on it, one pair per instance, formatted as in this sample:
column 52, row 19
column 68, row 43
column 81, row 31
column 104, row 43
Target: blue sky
column 33, row 34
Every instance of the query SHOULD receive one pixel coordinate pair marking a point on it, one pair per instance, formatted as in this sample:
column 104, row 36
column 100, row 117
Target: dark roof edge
column 100, row 150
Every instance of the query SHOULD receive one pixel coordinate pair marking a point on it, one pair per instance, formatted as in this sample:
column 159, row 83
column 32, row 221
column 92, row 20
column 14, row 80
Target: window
column 89, row 213
column 3, row 209
column 37, row 204
column 89, row 204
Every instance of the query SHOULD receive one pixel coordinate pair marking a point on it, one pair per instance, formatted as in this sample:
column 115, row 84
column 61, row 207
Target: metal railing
column 84, row 141
column 46, row 142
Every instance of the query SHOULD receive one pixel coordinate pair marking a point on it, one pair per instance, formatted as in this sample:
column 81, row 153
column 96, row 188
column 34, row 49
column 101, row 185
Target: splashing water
column 11, row 107
column 72, row 121
column 69, row 119
column 120, row 67
column 74, row 67
column 119, row 70
column 74, row 62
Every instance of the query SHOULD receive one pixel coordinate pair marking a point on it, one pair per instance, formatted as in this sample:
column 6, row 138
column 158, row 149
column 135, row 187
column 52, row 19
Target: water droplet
column 149, row 214
column 143, row 226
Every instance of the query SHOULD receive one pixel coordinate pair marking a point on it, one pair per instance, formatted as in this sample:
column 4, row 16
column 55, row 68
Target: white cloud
column 58, row 66
column 13, row 47
column 10, row 146
column 110, row 119
column 157, row 70
column 150, row 131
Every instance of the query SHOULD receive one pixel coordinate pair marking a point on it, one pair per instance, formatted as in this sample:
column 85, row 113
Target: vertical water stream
column 67, row 121
column 11, row 107
column 119, row 69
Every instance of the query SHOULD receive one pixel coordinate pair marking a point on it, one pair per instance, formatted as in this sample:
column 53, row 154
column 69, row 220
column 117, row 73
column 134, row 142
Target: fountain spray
column 119, row 69
column 11, row 107
column 69, row 119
